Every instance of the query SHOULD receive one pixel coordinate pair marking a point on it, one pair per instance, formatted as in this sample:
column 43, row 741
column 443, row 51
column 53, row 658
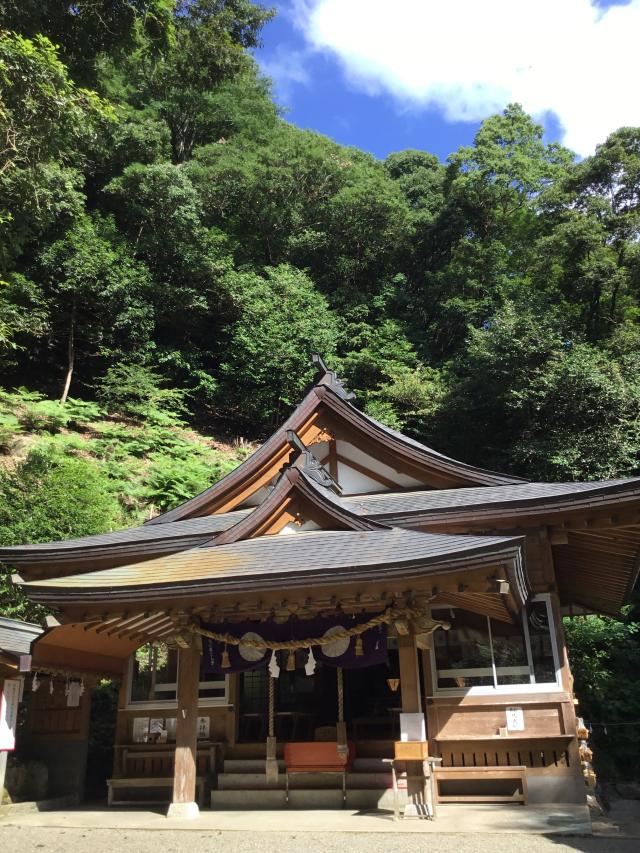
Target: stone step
column 256, row 765
column 327, row 798
column 247, row 765
column 370, row 765
column 252, row 781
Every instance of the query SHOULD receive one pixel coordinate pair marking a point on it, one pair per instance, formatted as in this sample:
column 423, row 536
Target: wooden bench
column 516, row 774
column 318, row 757
column 128, row 783
column 158, row 764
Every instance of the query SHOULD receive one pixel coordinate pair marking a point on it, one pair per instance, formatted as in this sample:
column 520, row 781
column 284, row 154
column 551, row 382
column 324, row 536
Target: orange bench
column 318, row 757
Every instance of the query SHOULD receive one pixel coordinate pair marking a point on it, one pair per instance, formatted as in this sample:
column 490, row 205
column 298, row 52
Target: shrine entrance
column 306, row 705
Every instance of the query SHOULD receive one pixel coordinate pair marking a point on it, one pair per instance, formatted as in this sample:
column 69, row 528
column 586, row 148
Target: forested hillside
column 158, row 214
column 172, row 251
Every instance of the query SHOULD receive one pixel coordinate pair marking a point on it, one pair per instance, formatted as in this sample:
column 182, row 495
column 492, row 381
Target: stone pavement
column 452, row 819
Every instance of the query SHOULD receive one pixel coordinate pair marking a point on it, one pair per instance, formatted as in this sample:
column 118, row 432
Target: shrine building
column 345, row 604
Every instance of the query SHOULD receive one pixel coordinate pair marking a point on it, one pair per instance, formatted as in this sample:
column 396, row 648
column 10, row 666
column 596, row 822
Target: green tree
column 277, row 320
column 483, row 238
column 48, row 125
column 524, row 397
column 209, row 45
column 87, row 30
column 95, row 293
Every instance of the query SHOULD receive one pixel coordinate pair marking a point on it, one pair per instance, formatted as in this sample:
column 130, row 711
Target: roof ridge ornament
column 311, row 465
column 325, row 376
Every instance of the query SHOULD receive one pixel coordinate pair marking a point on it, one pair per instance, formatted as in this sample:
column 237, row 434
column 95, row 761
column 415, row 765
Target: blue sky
column 385, row 77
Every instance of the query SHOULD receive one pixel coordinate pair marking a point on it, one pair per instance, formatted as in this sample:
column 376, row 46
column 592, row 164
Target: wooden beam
column 142, row 625
column 132, row 621
column 333, row 459
column 154, row 630
column 109, row 623
column 361, row 469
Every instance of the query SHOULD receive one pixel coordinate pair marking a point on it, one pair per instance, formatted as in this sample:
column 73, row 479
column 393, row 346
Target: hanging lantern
column 291, row 661
column 359, row 649
column 393, row 684
column 225, row 659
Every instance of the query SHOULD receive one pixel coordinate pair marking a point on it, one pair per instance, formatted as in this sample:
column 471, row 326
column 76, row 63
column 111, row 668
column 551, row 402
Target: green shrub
column 44, row 416
column 52, row 496
column 9, row 427
column 170, row 481
column 135, row 390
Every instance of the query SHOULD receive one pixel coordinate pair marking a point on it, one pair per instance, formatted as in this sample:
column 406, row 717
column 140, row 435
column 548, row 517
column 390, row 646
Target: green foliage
column 605, row 658
column 47, row 124
column 268, row 353
column 72, row 500
column 554, row 409
column 49, row 496
column 135, row 390
column 171, row 480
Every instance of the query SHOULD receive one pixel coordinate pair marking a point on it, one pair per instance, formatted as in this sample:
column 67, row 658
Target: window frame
column 504, row 689
column 172, row 704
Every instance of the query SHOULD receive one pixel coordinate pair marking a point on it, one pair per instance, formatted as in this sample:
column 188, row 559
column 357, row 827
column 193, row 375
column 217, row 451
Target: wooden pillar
column 409, row 675
column 184, row 803
column 411, row 703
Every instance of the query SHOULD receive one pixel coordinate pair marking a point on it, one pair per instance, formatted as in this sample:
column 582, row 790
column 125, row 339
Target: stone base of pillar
column 185, row 811
column 420, row 810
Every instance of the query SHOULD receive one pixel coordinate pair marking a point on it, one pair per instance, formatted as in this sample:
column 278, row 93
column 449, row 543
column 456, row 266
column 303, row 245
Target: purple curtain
column 341, row 653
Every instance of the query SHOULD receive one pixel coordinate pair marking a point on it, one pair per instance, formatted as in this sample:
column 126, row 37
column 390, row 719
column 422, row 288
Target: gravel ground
column 25, row 839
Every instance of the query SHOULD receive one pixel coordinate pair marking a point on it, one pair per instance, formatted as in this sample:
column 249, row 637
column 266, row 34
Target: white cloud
column 470, row 58
column 287, row 68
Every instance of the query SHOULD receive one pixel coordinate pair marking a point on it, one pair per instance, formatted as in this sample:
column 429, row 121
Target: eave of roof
column 303, row 559
column 392, row 507
column 127, row 542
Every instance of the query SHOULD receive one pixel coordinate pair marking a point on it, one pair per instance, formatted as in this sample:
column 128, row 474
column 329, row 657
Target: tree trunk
column 71, row 355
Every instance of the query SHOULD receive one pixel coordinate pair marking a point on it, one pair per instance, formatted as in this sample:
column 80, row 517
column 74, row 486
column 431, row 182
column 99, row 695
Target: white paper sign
column 515, row 719
column 170, row 725
column 203, row 728
column 9, row 701
column 412, row 727
column 140, row 729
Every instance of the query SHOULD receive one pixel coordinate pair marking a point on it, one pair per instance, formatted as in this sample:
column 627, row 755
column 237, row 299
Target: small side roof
column 16, row 636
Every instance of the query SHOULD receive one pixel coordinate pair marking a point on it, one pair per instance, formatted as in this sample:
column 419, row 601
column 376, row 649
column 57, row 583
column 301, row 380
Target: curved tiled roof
column 305, row 558
column 187, row 533
column 392, row 504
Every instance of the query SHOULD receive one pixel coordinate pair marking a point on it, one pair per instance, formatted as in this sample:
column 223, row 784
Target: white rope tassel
column 35, row 683
column 274, row 669
column 310, row 665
